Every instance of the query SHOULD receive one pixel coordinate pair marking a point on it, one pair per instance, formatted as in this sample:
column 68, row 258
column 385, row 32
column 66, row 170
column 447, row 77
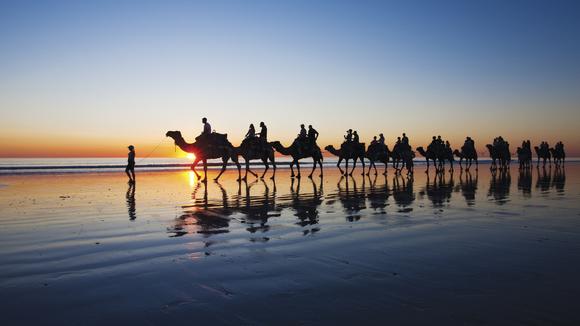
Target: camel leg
column 338, row 165
column 292, row 168
column 313, row 168
column 265, row 160
column 204, row 180
column 195, row 163
column 320, row 163
column 363, row 164
column 247, row 169
column 427, row 171
column 225, row 162
column 273, row 167
column 386, row 167
column 298, row 168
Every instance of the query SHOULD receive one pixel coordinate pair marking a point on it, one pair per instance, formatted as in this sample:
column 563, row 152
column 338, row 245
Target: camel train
column 213, row 145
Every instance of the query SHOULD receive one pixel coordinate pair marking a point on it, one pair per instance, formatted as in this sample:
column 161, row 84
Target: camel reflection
column 351, row 197
column 403, row 192
column 499, row 186
column 559, row 179
column 440, row 190
column 210, row 216
column 525, row 181
column 378, row 196
column 544, row 180
column 468, row 186
column 203, row 216
column 130, row 196
column 258, row 209
column 306, row 205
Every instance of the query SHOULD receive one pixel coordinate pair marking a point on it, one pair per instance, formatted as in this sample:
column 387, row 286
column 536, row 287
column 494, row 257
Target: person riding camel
column 433, row 144
column 263, row 132
column 251, row 132
column 374, row 141
column 302, row 135
column 381, row 139
column 405, row 143
column 348, row 137
column 312, row 134
column 355, row 137
column 206, row 127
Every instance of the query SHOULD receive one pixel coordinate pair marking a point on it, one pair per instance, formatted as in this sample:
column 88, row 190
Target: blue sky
column 109, row 72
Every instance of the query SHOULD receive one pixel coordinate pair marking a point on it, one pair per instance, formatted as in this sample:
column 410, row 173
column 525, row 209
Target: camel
column 558, row 155
column 254, row 149
column 499, row 154
column 349, row 151
column 218, row 147
column 298, row 153
column 543, row 154
column 378, row 153
column 406, row 158
column 468, row 156
column 524, row 158
column 431, row 155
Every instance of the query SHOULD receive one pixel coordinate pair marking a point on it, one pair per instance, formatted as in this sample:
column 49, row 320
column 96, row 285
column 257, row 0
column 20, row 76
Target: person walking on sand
column 130, row 169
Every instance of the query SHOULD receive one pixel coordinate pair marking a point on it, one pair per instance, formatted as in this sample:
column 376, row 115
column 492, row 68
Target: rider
column 206, row 127
column 374, row 141
column 348, row 137
column 355, row 138
column 312, row 134
column 251, row 132
column 381, row 139
column 263, row 132
column 303, row 133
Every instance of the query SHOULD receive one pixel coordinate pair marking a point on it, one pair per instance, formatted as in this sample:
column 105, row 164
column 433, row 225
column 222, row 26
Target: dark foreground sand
column 474, row 249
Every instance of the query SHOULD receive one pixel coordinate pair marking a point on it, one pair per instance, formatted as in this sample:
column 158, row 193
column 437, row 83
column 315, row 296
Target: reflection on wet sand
column 130, row 197
column 468, row 186
column 403, row 192
column 499, row 186
column 439, row 189
column 525, row 181
column 254, row 203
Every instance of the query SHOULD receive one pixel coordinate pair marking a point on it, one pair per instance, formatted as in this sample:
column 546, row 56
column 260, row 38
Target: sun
column 190, row 156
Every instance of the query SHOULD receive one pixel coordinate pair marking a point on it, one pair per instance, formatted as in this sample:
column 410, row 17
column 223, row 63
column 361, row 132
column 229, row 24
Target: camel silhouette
column 378, row 153
column 349, row 151
column 543, row 154
column 255, row 149
column 468, row 156
column 499, row 154
column 299, row 153
column 216, row 146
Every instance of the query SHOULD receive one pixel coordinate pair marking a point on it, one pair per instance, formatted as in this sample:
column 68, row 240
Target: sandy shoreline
column 472, row 249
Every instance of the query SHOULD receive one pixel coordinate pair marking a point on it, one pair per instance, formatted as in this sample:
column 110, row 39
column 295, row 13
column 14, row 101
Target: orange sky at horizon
column 109, row 146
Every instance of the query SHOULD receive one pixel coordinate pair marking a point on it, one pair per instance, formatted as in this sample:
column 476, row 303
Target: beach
column 471, row 248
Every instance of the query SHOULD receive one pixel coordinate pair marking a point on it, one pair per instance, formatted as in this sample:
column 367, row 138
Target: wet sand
column 472, row 248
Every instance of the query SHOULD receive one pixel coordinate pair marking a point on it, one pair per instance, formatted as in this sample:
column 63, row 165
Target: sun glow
column 190, row 156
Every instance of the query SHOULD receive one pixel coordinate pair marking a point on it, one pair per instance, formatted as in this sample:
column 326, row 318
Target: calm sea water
column 461, row 248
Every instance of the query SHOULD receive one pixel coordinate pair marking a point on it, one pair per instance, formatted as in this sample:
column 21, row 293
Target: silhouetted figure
column 468, row 186
column 251, row 132
column 348, row 137
column 206, row 127
column 381, row 139
column 303, row 133
column 263, row 132
column 130, row 169
column 405, row 141
column 312, row 134
column 467, row 153
column 130, row 196
column 355, row 137
column 374, row 141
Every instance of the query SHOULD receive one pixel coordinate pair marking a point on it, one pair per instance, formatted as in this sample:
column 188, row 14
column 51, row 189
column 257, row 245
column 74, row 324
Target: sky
column 87, row 78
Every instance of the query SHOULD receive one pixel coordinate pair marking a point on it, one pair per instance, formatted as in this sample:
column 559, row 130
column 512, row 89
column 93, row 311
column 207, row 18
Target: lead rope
column 154, row 149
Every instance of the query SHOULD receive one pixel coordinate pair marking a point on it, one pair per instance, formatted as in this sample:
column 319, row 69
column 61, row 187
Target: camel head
column 329, row 148
column 173, row 134
column 457, row 153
